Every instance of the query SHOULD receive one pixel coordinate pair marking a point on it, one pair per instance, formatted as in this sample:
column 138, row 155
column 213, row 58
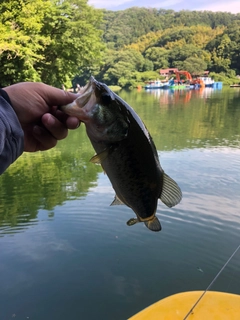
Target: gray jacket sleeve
column 11, row 135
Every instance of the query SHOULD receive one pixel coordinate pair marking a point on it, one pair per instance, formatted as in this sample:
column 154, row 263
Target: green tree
column 21, row 39
column 122, row 65
column 220, row 64
column 126, row 26
column 233, row 33
column 182, row 53
column 48, row 40
column 220, row 53
column 194, row 65
column 159, row 56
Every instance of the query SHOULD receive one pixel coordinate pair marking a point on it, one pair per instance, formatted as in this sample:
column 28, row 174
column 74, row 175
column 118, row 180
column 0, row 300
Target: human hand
column 36, row 107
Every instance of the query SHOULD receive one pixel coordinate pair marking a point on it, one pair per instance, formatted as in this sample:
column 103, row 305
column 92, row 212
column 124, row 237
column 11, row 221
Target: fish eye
column 106, row 98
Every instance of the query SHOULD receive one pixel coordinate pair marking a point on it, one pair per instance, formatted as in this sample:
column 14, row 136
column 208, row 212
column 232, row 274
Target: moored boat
column 237, row 85
column 213, row 305
column 156, row 84
column 179, row 86
column 207, row 81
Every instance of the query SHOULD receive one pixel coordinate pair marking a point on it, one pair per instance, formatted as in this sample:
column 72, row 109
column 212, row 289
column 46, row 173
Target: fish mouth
column 76, row 108
column 85, row 93
column 92, row 87
column 89, row 95
column 100, row 88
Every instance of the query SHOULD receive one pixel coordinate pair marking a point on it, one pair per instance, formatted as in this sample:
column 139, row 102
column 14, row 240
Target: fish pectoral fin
column 98, row 158
column 153, row 225
column 171, row 193
column 132, row 221
column 116, row 201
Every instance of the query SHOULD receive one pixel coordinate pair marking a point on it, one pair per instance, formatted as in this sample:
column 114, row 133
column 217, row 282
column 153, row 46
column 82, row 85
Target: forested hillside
column 125, row 27
column 141, row 41
column 62, row 41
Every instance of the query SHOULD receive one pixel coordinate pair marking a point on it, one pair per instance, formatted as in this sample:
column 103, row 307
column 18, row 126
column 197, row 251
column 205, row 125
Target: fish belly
column 135, row 176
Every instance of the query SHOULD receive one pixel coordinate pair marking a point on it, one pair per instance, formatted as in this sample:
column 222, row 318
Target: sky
column 232, row 6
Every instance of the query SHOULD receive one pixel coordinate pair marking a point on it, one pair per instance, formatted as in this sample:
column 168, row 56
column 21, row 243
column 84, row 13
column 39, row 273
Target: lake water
column 66, row 254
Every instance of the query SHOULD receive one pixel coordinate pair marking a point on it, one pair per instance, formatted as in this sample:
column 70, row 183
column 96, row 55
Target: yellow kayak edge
column 213, row 305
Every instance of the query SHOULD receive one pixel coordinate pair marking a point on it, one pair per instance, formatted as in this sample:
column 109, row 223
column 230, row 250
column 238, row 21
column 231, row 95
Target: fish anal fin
column 153, row 224
column 98, row 158
column 132, row 221
column 171, row 193
column 116, row 201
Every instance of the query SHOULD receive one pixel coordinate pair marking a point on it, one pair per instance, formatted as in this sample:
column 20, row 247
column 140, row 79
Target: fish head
column 101, row 111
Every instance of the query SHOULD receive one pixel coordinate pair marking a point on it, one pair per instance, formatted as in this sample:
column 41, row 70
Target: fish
column 126, row 152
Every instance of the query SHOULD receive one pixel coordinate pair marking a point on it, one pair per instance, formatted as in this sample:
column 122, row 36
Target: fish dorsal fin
column 98, row 158
column 171, row 193
column 153, row 225
column 116, row 201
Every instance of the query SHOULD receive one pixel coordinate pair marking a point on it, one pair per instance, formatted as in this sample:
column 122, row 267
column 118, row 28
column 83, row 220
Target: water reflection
column 44, row 180
column 175, row 96
column 168, row 97
column 206, row 120
column 76, row 250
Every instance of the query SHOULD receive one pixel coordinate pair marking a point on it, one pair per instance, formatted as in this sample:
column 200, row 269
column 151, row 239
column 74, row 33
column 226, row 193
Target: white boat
column 155, row 84
column 208, row 81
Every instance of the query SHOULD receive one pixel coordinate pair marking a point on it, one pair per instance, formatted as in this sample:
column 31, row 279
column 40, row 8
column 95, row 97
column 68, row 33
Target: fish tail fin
column 153, row 225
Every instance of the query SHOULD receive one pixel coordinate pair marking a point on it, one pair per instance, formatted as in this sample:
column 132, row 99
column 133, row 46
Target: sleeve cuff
column 11, row 135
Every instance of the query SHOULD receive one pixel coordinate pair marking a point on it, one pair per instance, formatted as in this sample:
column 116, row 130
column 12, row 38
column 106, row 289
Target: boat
column 165, row 85
column 237, row 85
column 207, row 81
column 213, row 305
column 155, row 84
column 195, row 305
column 158, row 84
column 179, row 86
column 168, row 84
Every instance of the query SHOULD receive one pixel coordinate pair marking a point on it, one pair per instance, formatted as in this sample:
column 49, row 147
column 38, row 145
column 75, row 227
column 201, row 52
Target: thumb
column 57, row 97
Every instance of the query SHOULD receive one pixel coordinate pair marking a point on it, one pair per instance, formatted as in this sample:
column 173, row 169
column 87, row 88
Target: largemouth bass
column 126, row 152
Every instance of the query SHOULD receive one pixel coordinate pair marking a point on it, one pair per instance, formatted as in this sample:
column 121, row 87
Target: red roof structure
column 167, row 72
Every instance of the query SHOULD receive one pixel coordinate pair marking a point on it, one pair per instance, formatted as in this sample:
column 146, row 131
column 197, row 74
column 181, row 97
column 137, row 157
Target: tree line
column 48, row 40
column 64, row 42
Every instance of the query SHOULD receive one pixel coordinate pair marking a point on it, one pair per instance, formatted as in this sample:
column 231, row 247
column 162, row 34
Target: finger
column 55, row 127
column 57, row 97
column 45, row 139
column 69, row 121
column 72, row 123
column 61, row 116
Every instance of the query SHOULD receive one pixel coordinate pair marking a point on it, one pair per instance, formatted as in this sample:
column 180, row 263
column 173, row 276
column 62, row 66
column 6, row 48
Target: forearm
column 11, row 135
